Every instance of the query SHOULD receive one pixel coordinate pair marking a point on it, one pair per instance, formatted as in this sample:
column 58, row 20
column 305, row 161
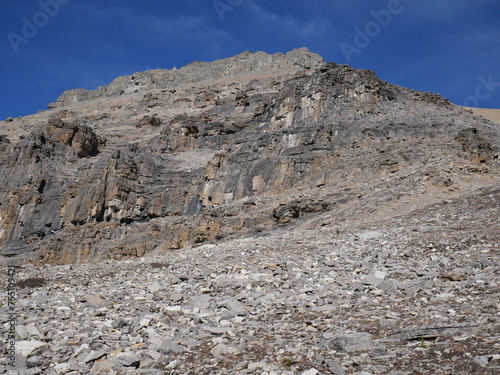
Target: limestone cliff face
column 166, row 159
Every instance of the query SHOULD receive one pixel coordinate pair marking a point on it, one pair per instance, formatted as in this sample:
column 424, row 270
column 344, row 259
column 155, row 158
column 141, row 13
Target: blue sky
column 451, row 47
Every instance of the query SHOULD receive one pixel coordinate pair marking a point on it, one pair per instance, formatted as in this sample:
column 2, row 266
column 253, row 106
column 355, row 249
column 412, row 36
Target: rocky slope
column 167, row 159
column 416, row 294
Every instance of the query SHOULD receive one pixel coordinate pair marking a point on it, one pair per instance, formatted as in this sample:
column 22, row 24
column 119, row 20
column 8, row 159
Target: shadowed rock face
column 228, row 149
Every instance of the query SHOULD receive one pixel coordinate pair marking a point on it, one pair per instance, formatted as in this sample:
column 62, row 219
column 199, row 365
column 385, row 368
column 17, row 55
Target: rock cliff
column 166, row 159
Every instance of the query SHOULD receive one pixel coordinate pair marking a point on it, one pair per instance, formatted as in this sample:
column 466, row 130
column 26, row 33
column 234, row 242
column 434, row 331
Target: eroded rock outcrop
column 80, row 138
column 252, row 143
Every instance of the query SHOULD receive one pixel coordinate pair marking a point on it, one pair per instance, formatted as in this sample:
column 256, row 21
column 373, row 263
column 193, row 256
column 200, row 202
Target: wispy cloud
column 163, row 29
column 289, row 24
column 167, row 26
column 446, row 10
column 141, row 21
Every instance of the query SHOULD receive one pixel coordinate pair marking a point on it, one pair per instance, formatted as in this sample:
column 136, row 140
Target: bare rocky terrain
column 262, row 214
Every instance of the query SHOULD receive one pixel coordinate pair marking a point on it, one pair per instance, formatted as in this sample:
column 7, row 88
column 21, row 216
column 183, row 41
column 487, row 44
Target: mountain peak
column 246, row 62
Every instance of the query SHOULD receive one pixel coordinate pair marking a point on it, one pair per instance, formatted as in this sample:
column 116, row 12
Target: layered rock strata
column 229, row 149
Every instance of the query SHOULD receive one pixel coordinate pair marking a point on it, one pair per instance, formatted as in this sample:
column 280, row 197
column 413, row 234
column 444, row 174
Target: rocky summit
column 261, row 214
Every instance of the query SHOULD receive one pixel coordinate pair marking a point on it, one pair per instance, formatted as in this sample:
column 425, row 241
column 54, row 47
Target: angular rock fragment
column 94, row 355
column 222, row 350
column 432, row 332
column 348, row 342
column 375, row 278
column 25, row 348
column 170, row 346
